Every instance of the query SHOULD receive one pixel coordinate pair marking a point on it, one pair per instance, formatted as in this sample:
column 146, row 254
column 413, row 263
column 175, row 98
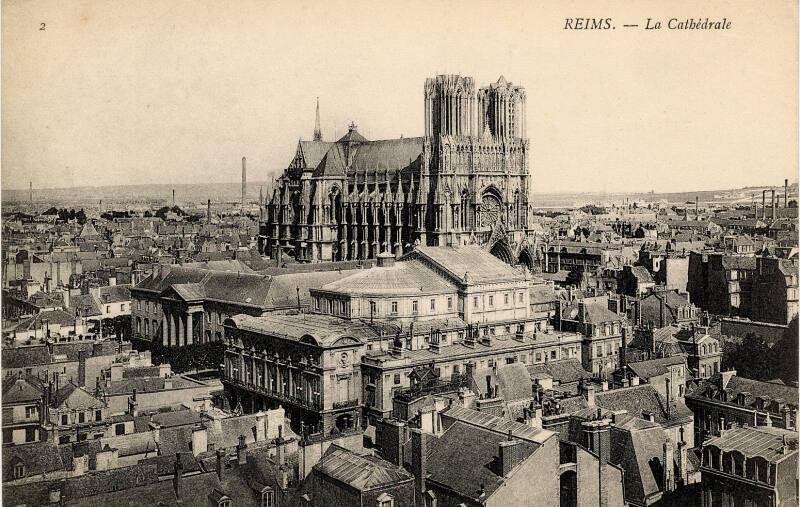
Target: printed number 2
column 42, row 26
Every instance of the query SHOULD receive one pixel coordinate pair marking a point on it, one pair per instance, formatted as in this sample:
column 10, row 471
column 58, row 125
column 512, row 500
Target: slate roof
column 476, row 449
column 85, row 305
column 542, row 294
column 644, row 398
column 388, row 154
column 406, row 277
column 763, row 441
column 360, row 472
column 479, row 265
column 498, row 425
column 283, row 289
column 115, row 293
column 656, row 367
column 755, row 388
column 596, row 313
column 21, row 390
column 641, row 274
column 565, row 371
column 38, row 458
column 637, row 450
column 73, row 397
column 326, row 330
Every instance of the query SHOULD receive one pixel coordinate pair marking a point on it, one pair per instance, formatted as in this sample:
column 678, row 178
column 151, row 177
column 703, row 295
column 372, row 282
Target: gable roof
column 359, row 472
column 473, row 261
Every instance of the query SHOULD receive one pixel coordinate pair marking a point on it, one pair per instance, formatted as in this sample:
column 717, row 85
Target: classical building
column 467, row 180
column 750, row 466
column 727, row 399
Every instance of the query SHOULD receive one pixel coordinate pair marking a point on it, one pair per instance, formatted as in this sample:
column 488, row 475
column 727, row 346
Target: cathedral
column 466, row 181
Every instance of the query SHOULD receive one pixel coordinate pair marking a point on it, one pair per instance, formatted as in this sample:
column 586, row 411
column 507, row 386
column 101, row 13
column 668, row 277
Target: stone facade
column 466, row 181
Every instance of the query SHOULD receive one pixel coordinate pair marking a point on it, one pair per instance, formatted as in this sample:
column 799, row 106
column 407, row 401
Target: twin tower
column 455, row 107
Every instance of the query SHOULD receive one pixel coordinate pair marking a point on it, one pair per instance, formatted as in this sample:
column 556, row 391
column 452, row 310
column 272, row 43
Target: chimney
column 682, row 463
column 667, row 386
column 634, row 380
column 244, row 180
column 178, row 477
column 173, row 197
column 419, row 465
column 667, row 459
column 786, row 193
column 208, row 212
column 220, row 464
column 581, row 312
column 509, row 454
column 774, row 209
column 587, row 391
column 696, row 208
column 279, row 446
column 199, row 439
column 662, row 298
column 241, row 451
column 261, row 426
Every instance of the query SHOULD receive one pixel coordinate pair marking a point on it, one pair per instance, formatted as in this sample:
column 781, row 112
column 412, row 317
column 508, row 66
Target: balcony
column 286, row 398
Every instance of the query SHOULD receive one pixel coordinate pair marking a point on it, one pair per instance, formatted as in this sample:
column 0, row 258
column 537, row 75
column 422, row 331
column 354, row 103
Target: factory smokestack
column 30, row 191
column 786, row 193
column 208, row 212
column 696, row 208
column 774, row 209
column 173, row 197
column 244, row 179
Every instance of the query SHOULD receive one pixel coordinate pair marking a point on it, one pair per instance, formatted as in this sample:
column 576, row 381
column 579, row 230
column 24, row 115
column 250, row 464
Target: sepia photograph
column 429, row 253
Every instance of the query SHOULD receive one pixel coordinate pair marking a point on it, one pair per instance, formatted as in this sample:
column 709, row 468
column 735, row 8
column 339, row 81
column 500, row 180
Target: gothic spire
column 317, row 128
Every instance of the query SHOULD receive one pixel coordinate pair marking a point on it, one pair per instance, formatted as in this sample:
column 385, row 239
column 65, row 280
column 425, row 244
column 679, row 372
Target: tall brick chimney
column 419, row 462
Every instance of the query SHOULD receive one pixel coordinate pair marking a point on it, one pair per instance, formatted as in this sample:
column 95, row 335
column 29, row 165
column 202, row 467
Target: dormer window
column 267, row 497
column 19, row 470
column 385, row 500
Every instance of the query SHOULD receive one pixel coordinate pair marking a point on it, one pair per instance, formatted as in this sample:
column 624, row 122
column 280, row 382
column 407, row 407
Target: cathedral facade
column 467, row 181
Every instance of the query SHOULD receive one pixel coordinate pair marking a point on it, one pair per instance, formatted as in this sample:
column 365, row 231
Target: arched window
column 139, row 324
column 146, row 326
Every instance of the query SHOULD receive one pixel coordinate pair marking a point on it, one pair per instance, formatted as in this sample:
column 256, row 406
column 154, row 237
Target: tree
column 751, row 358
column 575, row 276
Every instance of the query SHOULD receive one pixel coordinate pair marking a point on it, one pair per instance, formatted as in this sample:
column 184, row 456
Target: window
column 122, row 307
column 64, row 420
column 108, row 308
column 505, row 299
column 372, row 308
column 415, row 306
column 520, row 297
column 224, row 502
column 491, row 300
column 553, row 354
column 491, row 363
column 599, row 351
column 81, row 417
column 394, row 306
column 268, row 498
column 474, row 302
column 30, row 434
column 19, row 471
column 538, row 357
column 119, row 429
column 433, row 305
column 396, row 379
column 31, row 412
column 98, row 415
column 449, row 303
column 385, row 500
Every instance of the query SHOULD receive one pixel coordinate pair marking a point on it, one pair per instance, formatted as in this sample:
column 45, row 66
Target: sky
column 171, row 91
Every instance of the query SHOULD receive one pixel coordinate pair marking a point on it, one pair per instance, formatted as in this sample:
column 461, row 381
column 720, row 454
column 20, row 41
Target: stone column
column 189, row 328
column 180, row 335
column 173, row 337
column 164, row 329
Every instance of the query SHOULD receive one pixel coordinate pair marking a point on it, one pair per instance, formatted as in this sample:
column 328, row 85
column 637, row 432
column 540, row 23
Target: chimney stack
column 774, row 210
column 241, row 451
column 30, row 191
column 178, row 477
column 763, row 204
column 419, row 462
column 220, row 464
column 696, row 208
column 786, row 193
column 244, row 180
